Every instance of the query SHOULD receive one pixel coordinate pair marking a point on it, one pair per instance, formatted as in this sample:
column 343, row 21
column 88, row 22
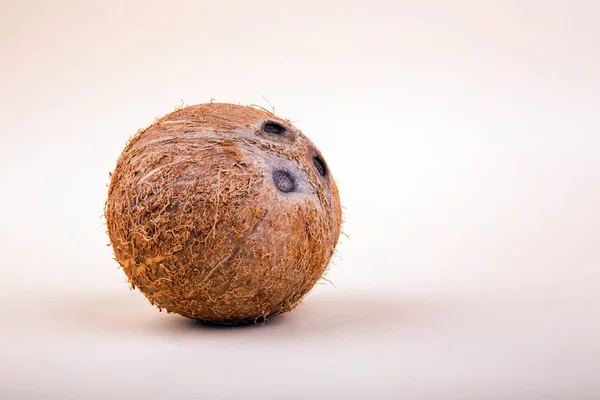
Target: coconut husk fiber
column 223, row 213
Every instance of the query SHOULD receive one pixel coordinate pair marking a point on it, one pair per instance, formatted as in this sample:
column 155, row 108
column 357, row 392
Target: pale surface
column 465, row 138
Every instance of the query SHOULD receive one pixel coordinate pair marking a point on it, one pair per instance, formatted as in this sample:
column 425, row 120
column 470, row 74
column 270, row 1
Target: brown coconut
column 223, row 213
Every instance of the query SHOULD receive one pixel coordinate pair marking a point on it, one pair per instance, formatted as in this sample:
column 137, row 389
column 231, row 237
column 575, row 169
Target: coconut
column 223, row 213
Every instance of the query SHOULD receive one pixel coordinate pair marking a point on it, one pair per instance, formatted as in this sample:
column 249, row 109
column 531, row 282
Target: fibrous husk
column 223, row 213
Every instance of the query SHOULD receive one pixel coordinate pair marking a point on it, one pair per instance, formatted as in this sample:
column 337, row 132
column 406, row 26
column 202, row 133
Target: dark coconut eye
column 284, row 181
column 320, row 165
column 274, row 128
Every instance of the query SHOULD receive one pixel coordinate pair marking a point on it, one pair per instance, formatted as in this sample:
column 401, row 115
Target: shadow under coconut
column 317, row 316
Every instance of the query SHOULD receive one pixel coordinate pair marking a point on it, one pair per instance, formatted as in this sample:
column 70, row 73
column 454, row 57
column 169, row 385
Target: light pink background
column 465, row 139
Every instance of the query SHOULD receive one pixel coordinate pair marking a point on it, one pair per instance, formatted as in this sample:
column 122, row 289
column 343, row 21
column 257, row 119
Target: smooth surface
column 341, row 345
column 464, row 137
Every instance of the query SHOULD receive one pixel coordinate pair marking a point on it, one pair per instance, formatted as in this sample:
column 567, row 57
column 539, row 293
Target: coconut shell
column 223, row 213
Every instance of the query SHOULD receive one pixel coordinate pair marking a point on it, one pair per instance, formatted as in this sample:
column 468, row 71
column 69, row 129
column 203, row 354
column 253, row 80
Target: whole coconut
column 223, row 213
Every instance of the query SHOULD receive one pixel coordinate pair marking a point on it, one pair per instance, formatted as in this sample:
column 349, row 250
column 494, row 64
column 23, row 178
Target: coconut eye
column 320, row 165
column 274, row 128
column 284, row 181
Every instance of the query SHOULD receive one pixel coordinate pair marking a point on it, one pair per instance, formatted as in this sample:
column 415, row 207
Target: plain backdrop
column 465, row 140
